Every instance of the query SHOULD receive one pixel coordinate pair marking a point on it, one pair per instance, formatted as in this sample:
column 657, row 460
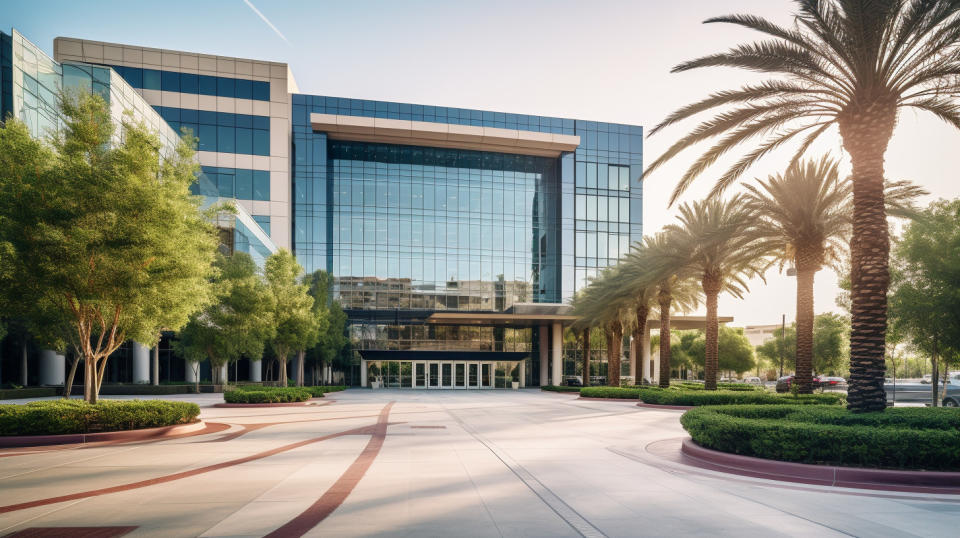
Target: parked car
column 783, row 384
column 573, row 381
column 753, row 380
column 832, row 383
column 922, row 392
column 927, row 379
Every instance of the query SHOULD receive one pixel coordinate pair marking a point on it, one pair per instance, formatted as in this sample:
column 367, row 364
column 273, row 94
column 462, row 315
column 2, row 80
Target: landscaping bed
column 898, row 438
column 76, row 416
column 559, row 388
column 28, row 392
column 680, row 396
column 252, row 394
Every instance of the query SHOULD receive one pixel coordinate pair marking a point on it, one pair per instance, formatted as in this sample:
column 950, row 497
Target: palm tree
column 852, row 64
column 804, row 217
column 661, row 267
column 713, row 239
column 600, row 304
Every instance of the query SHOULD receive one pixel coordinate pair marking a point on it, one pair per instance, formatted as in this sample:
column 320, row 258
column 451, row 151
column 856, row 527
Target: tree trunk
column 804, row 362
column 664, row 299
column 300, row 355
column 155, row 364
column 711, row 363
column 68, row 384
column 638, row 333
column 934, row 375
column 282, row 370
column 90, row 392
column 613, row 353
column 866, row 133
column 586, row 357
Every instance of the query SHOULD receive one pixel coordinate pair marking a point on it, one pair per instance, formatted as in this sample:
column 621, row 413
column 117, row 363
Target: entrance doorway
column 444, row 374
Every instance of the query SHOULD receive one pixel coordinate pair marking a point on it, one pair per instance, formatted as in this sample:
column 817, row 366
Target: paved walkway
column 450, row 463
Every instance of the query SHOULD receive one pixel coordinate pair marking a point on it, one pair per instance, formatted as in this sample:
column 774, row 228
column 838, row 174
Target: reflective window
column 173, row 81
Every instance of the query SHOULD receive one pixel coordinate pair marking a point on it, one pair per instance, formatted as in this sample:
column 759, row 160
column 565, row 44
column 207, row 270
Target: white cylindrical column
column 523, row 373
column 645, row 354
column 557, row 334
column 255, row 371
column 544, row 354
column 192, row 370
column 363, row 372
column 633, row 360
column 52, row 368
column 224, row 374
column 141, row 363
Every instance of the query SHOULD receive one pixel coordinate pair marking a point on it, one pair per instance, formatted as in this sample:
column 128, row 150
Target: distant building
column 758, row 334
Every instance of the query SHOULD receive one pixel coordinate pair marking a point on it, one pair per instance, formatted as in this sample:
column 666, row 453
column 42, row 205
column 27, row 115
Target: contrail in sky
column 266, row 20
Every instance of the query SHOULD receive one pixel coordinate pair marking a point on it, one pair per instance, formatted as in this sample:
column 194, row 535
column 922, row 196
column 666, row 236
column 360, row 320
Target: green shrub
column 333, row 388
column 674, row 396
column 899, row 438
column 610, row 392
column 249, row 395
column 31, row 392
column 559, row 388
column 724, row 386
column 76, row 416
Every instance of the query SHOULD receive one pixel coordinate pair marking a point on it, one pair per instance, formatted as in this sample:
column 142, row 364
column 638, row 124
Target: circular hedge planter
column 268, row 395
column 77, row 417
column 915, row 438
column 126, row 436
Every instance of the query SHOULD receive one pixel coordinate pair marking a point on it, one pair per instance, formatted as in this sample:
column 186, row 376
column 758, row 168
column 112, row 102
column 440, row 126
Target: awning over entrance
column 435, row 355
column 518, row 315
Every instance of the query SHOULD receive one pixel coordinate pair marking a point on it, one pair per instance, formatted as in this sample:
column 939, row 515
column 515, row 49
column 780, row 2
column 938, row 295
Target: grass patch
column 559, row 388
column 898, row 438
column 251, row 394
column 76, row 416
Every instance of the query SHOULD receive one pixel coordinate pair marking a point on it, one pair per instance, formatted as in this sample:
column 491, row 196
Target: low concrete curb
column 828, row 475
column 608, row 399
column 668, row 407
column 120, row 436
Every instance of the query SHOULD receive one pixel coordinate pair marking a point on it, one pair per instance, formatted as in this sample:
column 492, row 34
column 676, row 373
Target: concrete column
column 523, row 373
column 633, row 360
column 155, row 376
column 141, row 363
column 645, row 353
column 557, row 348
column 544, row 353
column 363, row 372
column 191, row 375
column 225, row 374
column 52, row 368
column 255, row 370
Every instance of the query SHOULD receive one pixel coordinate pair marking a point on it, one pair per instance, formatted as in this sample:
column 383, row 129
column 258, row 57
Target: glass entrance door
column 473, row 375
column 419, row 375
column 486, row 376
column 433, row 375
column 459, row 375
column 446, row 376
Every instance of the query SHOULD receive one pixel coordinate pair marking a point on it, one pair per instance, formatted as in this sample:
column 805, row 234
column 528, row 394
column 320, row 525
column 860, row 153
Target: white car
column 753, row 380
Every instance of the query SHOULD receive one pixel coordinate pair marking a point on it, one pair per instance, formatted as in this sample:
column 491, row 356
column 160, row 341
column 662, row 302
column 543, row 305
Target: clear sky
column 598, row 60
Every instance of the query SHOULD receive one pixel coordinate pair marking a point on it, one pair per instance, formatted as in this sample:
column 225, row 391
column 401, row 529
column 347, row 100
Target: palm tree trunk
column 586, row 357
column 804, row 364
column 639, row 330
column 613, row 353
column 665, row 300
column 711, row 364
column 866, row 142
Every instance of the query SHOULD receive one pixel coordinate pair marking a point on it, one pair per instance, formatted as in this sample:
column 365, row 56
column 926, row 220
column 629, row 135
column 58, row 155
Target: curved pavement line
column 209, row 429
column 184, row 474
column 341, row 489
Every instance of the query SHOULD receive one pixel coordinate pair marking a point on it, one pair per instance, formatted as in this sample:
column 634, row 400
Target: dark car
column 783, row 384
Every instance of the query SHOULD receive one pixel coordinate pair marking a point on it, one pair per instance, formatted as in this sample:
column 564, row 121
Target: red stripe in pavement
column 341, row 489
column 192, row 472
column 73, row 532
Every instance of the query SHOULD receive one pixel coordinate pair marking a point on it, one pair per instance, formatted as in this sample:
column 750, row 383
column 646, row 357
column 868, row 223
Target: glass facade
column 173, row 81
column 222, row 132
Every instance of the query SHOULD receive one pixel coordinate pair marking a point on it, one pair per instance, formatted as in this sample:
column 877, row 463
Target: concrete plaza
column 434, row 463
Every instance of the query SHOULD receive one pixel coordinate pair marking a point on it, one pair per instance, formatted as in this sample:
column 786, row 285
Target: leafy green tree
column 236, row 324
column 332, row 338
column 735, row 351
column 844, row 64
column 104, row 229
column 925, row 298
column 830, row 347
column 296, row 323
column 781, row 350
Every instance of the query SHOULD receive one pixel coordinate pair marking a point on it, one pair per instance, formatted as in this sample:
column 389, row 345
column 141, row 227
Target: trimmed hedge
column 731, row 397
column 77, row 416
column 333, row 388
column 898, row 438
column 28, row 392
column 248, row 395
column 559, row 388
column 682, row 396
column 723, row 386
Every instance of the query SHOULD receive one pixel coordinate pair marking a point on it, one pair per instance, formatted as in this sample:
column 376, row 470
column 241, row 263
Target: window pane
column 189, row 83
column 225, row 185
column 244, row 141
column 263, row 221
column 581, row 207
column 592, row 175
column 226, row 87
column 261, row 142
column 624, row 178
column 151, row 79
column 613, row 206
column 614, row 180
column 602, row 208
column 591, row 208
column 261, row 90
column 208, row 85
column 226, row 140
column 170, row 81
column 244, row 89
column 624, row 210
column 602, row 176
column 261, row 185
column 244, row 184
column 208, row 137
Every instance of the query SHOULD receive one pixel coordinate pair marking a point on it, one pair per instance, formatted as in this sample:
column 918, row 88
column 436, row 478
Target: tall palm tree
column 804, row 215
column 852, row 64
column 599, row 305
column 713, row 238
column 804, row 218
column 660, row 265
